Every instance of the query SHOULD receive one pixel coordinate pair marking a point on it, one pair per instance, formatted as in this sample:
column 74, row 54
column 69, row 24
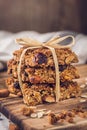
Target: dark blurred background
column 43, row 15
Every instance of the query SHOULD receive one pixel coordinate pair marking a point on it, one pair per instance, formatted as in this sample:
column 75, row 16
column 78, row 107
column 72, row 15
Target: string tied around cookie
column 52, row 45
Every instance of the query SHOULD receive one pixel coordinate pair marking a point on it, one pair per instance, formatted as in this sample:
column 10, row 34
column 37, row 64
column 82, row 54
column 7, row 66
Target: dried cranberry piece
column 40, row 58
column 16, row 85
column 62, row 67
column 35, row 79
column 25, row 74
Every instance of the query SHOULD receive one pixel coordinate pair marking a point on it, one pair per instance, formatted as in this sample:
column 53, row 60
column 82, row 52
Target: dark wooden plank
column 41, row 15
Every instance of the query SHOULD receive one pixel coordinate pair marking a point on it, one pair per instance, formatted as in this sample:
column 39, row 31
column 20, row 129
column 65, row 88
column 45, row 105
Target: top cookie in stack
column 38, row 75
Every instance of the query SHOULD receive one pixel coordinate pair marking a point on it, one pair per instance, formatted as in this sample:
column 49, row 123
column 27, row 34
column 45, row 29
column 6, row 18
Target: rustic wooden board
column 10, row 107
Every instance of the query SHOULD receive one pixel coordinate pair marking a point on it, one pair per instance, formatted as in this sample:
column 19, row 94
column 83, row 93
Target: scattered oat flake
column 46, row 113
column 40, row 114
column 82, row 86
column 84, row 95
column 33, row 115
column 82, row 100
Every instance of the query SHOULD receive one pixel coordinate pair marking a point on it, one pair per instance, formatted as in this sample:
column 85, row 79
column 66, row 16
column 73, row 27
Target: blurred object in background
column 43, row 15
column 4, row 122
column 3, row 66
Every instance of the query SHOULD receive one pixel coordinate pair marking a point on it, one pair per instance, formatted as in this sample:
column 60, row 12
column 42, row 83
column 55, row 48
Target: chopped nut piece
column 52, row 118
column 71, row 114
column 27, row 111
column 58, row 116
column 67, row 115
column 49, row 99
column 69, row 119
column 82, row 115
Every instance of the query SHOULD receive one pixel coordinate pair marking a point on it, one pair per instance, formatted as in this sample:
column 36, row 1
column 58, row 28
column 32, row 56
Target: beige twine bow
column 51, row 44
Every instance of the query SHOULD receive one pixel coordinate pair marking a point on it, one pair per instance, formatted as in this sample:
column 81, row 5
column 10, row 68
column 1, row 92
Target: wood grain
column 41, row 15
column 11, row 108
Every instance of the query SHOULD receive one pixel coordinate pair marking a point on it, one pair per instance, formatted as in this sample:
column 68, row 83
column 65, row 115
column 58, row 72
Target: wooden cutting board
column 10, row 107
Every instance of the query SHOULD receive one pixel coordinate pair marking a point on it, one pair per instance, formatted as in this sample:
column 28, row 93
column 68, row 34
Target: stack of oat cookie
column 38, row 75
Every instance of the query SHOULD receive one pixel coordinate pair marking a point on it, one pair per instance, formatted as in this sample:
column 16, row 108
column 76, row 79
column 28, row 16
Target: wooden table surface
column 10, row 107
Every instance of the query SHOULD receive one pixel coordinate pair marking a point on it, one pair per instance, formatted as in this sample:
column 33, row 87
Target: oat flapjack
column 38, row 75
